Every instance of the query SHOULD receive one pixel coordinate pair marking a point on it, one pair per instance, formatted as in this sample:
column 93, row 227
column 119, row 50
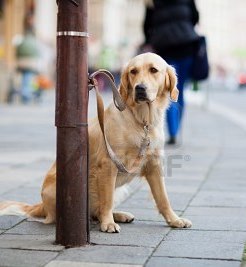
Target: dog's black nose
column 141, row 94
column 140, row 87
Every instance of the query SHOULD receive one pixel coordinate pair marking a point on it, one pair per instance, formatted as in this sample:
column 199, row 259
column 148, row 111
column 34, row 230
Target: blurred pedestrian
column 27, row 54
column 169, row 30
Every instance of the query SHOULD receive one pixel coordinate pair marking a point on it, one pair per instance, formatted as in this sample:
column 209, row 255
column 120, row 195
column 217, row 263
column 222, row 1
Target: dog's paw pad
column 110, row 228
column 181, row 223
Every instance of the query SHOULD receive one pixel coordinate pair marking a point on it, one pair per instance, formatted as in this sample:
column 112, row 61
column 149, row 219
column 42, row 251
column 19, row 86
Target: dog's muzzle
column 140, row 93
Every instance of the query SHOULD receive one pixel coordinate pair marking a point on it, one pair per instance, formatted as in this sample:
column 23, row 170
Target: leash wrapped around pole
column 121, row 106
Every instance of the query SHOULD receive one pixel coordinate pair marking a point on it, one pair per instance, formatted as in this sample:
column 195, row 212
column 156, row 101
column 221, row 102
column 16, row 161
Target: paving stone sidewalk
column 205, row 179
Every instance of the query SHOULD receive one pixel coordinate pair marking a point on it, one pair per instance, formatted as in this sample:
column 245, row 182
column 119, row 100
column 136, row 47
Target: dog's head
column 146, row 78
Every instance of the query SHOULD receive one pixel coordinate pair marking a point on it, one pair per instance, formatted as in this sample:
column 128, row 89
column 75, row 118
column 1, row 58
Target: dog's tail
column 22, row 209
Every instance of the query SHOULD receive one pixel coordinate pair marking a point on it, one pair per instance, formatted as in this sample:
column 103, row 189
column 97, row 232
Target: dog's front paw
column 110, row 227
column 180, row 223
column 123, row 217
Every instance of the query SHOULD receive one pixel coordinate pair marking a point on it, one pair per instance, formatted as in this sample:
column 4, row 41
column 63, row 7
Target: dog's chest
column 123, row 178
column 129, row 160
column 128, row 152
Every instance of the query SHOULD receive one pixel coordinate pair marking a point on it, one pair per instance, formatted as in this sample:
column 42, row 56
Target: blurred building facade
column 11, row 24
column 115, row 31
column 115, row 28
column 114, row 35
column 223, row 22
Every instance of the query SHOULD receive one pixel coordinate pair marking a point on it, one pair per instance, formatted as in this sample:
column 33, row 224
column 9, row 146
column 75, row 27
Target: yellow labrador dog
column 147, row 83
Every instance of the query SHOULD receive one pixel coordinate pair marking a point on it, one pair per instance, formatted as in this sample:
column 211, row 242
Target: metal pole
column 72, row 227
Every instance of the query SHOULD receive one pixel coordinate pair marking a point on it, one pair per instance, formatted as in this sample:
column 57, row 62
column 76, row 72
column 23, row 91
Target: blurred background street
column 115, row 36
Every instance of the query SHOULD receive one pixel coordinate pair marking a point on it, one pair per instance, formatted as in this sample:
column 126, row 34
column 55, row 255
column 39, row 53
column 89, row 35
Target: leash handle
column 119, row 103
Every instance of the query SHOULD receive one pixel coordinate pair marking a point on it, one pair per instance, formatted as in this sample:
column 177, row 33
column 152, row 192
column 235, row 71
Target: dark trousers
column 175, row 111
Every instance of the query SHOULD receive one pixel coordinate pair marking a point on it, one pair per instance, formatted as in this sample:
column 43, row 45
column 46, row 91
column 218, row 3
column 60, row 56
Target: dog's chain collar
column 120, row 105
column 146, row 129
column 145, row 140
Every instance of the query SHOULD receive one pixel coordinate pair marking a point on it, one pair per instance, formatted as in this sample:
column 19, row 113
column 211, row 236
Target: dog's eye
column 133, row 71
column 153, row 70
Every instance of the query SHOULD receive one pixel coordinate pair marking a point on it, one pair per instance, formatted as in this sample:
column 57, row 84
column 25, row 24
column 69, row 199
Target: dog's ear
column 124, row 84
column 171, row 83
